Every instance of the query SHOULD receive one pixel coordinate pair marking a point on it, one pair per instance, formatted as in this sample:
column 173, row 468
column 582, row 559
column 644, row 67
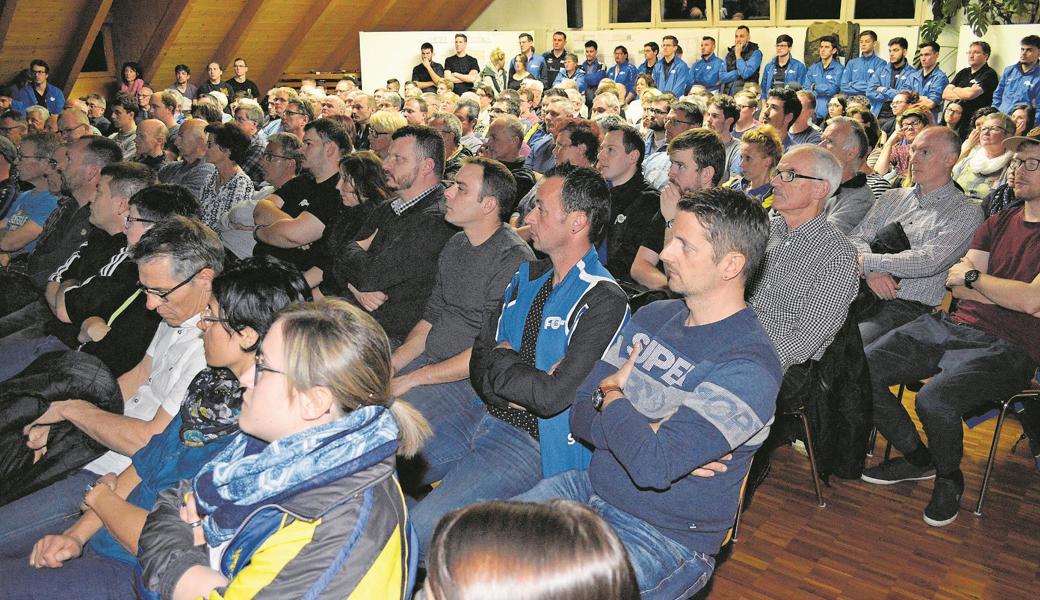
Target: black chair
column 1030, row 394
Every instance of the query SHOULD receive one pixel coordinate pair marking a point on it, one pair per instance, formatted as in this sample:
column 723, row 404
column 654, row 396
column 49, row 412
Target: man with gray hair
column 192, row 171
column 450, row 129
column 468, row 111
column 605, row 105
column 36, row 117
column 96, row 106
column 150, row 143
column 249, row 117
column 938, row 221
column 73, row 124
column 505, row 136
column 847, row 141
column 808, row 279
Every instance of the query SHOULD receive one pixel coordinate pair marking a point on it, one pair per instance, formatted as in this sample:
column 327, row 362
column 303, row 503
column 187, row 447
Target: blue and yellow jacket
column 347, row 539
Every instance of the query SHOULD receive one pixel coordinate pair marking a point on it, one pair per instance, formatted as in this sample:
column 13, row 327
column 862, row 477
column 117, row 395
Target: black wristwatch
column 600, row 394
column 971, row 277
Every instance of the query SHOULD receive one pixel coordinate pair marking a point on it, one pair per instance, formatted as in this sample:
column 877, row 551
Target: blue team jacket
column 795, row 74
column 708, row 73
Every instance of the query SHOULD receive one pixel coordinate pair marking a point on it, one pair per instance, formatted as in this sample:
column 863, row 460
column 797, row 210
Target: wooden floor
column 870, row 543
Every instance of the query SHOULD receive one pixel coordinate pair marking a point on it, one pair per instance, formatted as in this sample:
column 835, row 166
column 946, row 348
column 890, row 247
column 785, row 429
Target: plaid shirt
column 399, row 204
column 939, row 225
column 803, row 288
column 252, row 163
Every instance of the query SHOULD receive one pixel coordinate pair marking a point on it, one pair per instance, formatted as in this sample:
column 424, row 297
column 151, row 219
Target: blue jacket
column 578, row 78
column 678, row 79
column 795, row 74
column 594, row 73
column 1016, row 86
column 535, row 64
column 882, row 79
column 625, row 74
column 744, row 69
column 931, row 88
column 708, row 73
column 26, row 97
column 642, row 68
column 540, row 158
column 857, row 74
column 588, row 302
column 824, row 83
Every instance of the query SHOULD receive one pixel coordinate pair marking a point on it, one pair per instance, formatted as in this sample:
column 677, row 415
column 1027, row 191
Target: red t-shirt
column 1014, row 253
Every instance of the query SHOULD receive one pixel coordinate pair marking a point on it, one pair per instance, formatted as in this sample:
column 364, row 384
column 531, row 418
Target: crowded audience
column 495, row 307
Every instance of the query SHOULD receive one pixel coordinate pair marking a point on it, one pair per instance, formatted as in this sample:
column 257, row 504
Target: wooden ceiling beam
column 345, row 54
column 164, row 37
column 79, row 45
column 474, row 9
column 236, row 35
column 276, row 66
column 6, row 18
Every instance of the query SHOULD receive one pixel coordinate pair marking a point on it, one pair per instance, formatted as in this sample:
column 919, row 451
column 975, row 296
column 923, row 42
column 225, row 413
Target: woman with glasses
column 747, row 104
column 984, row 166
column 225, row 150
column 382, row 126
column 953, row 117
column 96, row 555
column 520, row 72
column 760, row 152
column 362, row 185
column 305, row 500
column 894, row 161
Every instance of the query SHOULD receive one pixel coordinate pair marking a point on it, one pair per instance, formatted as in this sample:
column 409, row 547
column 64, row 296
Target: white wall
column 1004, row 40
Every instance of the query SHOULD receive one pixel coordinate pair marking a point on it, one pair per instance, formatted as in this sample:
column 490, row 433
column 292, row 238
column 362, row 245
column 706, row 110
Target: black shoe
column 896, row 470
column 945, row 503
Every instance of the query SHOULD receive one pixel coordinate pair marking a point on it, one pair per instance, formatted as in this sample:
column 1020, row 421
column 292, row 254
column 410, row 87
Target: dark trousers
column 889, row 315
column 969, row 369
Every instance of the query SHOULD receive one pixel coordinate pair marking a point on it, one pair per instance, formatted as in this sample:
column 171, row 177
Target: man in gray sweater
column 845, row 138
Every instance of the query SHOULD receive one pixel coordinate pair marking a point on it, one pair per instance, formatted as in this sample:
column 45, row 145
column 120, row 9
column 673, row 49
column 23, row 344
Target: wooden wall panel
column 39, row 29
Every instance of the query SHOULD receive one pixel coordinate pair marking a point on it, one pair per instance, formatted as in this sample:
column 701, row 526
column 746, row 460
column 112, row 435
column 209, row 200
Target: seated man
column 192, row 171
column 432, row 366
column 25, row 216
column 984, row 351
column 505, row 136
column 847, row 141
column 938, row 220
column 686, row 383
column 557, row 317
column 177, row 261
column 96, row 279
column 391, row 271
column 287, row 227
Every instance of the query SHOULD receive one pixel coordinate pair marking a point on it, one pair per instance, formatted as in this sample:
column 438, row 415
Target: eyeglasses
column 69, row 130
column 656, row 111
column 261, row 367
column 993, row 130
column 1029, row 164
column 164, row 296
column 270, row 156
column 131, row 220
column 674, row 121
column 12, row 128
column 497, row 111
column 293, row 113
column 788, row 175
column 207, row 316
column 35, row 72
column 914, row 124
column 27, row 156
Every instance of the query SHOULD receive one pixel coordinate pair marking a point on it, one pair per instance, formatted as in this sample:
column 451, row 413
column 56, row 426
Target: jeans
column 890, row 315
column 477, row 457
column 48, row 511
column 92, row 577
column 19, row 352
column 664, row 568
column 969, row 369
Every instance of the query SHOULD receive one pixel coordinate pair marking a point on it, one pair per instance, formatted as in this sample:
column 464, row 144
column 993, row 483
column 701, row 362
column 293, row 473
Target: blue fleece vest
column 560, row 451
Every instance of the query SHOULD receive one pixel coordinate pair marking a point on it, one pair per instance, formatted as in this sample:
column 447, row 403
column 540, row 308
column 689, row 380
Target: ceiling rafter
column 164, row 37
column 81, row 42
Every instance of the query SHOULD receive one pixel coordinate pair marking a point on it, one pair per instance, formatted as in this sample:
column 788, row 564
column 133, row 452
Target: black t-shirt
column 419, row 72
column 302, row 194
column 461, row 65
column 633, row 206
column 246, row 86
column 985, row 77
column 553, row 66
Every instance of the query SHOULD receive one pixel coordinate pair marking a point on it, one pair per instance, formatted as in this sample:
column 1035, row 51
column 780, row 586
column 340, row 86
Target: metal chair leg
column 736, row 522
column 992, row 454
column 812, row 459
column 872, row 442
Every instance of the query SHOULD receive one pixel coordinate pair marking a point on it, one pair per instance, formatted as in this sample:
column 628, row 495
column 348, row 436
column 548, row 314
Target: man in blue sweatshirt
column 686, row 383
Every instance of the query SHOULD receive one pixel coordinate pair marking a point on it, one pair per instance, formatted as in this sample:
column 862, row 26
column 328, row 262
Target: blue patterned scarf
column 250, row 473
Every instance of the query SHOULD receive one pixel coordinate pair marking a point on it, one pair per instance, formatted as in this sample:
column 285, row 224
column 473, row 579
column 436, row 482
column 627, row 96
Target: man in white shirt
column 177, row 288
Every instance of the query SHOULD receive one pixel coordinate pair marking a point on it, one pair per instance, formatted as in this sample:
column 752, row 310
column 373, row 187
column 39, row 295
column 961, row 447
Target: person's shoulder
column 659, row 311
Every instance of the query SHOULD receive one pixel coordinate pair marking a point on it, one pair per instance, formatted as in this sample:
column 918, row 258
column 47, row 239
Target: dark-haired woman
column 225, row 150
column 130, row 81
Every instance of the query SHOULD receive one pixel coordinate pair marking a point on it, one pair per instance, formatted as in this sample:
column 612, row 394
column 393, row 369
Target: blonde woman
column 306, row 498
column 760, row 152
column 383, row 124
column 494, row 74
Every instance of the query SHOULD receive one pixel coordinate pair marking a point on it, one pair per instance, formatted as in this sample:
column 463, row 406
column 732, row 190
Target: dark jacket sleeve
column 166, row 549
column 500, row 376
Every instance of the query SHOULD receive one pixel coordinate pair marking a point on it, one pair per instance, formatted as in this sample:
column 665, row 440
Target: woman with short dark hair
column 225, row 150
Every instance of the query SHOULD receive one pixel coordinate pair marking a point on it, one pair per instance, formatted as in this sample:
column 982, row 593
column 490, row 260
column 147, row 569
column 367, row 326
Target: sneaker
column 896, row 470
column 945, row 503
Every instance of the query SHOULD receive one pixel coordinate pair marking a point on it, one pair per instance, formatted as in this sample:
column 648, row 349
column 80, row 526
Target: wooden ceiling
column 274, row 36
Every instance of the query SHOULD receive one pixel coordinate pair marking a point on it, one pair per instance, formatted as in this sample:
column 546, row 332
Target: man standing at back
column 973, row 85
column 671, row 73
column 38, row 91
column 1020, row 81
column 889, row 80
column 685, row 383
column 535, row 62
column 709, row 69
column 784, row 69
column 554, row 58
column 743, row 62
column 240, row 85
column 930, row 81
column 824, row 77
column 855, row 79
column 461, row 69
column 427, row 74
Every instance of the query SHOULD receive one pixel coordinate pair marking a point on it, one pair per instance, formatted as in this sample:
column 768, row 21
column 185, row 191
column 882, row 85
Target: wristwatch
column 600, row 394
column 971, row 277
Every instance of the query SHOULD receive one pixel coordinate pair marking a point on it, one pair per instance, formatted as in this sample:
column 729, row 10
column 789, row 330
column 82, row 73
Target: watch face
column 597, row 398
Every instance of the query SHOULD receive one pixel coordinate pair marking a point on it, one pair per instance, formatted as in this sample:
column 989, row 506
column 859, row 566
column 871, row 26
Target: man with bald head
column 939, row 221
column 847, row 141
column 333, row 105
column 192, row 171
column 73, row 124
column 151, row 139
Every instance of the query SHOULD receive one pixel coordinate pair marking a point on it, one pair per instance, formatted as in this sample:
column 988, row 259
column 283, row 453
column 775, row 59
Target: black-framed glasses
column 293, row 113
column 131, row 220
column 788, row 175
column 25, row 156
column 497, row 111
column 35, row 72
column 656, row 111
column 270, row 156
column 261, row 367
column 164, row 296
column 674, row 121
column 1029, row 164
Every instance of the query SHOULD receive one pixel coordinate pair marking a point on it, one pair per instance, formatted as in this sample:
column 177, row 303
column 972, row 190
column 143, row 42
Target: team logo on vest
column 554, row 323
column 305, row 202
